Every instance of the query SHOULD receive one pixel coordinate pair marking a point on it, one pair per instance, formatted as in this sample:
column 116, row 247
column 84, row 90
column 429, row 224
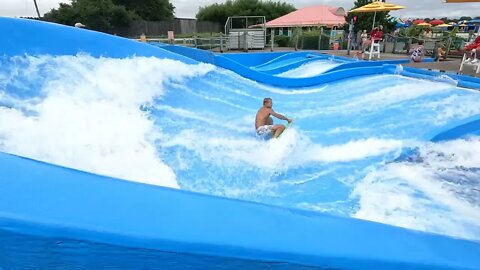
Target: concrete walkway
column 451, row 65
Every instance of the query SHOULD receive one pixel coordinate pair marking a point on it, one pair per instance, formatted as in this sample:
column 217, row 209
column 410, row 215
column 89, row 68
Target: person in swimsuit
column 264, row 122
column 418, row 52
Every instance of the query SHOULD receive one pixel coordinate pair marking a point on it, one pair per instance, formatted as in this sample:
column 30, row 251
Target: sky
column 188, row 8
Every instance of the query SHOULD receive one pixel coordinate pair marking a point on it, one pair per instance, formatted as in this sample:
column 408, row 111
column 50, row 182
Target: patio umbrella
column 418, row 21
column 424, row 24
column 436, row 22
column 376, row 6
column 443, row 25
column 461, row 1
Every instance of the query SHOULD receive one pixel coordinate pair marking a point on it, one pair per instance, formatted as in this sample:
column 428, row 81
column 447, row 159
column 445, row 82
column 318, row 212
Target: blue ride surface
column 56, row 217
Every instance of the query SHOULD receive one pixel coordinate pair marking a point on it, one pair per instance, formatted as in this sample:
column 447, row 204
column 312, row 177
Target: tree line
column 108, row 15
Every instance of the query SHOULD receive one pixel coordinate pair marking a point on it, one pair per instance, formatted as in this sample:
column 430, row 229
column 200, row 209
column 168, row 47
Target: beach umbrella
column 418, row 21
column 444, row 25
column 376, row 6
column 461, row 1
column 424, row 24
column 436, row 22
column 473, row 21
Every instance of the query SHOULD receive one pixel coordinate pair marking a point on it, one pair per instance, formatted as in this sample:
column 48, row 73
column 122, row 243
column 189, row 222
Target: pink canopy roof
column 311, row 16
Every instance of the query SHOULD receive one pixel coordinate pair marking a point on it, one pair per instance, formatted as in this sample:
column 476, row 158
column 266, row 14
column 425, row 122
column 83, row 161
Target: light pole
column 36, row 7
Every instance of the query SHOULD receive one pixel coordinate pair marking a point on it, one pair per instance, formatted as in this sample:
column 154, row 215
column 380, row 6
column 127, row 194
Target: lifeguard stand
column 246, row 32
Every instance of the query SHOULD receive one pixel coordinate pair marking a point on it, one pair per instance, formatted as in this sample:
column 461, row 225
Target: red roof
column 311, row 16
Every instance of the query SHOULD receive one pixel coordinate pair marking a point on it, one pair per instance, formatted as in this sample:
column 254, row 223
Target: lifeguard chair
column 475, row 63
column 374, row 50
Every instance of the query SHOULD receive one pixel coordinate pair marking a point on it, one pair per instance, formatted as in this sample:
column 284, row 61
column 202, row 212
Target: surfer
column 264, row 122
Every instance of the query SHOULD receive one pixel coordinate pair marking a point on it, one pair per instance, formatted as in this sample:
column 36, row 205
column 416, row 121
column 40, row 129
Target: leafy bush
column 282, row 41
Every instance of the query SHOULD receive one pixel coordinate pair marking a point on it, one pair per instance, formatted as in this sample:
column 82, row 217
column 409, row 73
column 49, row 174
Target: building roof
column 311, row 16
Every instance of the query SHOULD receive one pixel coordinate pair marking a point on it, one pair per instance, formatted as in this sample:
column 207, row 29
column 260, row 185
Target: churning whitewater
column 167, row 123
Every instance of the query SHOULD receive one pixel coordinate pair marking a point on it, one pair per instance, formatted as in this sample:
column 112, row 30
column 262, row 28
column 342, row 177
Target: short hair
column 265, row 100
column 420, row 42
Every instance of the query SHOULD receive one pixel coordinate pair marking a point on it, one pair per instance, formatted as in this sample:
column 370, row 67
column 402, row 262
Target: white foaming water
column 452, row 107
column 309, row 69
column 437, row 194
column 292, row 149
column 89, row 117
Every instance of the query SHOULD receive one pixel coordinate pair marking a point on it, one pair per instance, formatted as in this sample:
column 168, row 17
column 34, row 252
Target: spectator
column 418, row 52
column 441, row 53
column 376, row 36
column 427, row 33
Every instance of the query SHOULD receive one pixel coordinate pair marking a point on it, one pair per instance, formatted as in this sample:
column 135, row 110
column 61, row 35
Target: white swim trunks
column 264, row 130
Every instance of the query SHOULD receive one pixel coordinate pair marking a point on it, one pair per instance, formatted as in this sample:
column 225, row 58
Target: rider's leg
column 278, row 129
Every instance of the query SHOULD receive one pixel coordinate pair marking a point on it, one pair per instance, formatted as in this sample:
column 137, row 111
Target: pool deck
column 451, row 65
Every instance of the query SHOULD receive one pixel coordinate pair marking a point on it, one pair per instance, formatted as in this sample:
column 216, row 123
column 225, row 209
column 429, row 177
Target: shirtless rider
column 264, row 123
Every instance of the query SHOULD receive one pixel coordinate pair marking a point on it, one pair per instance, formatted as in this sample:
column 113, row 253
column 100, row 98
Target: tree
column 149, row 10
column 365, row 20
column 100, row 15
column 221, row 12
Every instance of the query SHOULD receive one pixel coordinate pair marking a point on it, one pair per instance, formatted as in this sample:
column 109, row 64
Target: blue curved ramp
column 266, row 65
column 56, row 217
column 460, row 129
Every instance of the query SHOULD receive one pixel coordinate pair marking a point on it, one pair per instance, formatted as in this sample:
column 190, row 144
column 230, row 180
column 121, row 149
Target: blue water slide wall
column 459, row 129
column 55, row 217
column 35, row 38
column 229, row 62
column 43, row 200
column 252, row 69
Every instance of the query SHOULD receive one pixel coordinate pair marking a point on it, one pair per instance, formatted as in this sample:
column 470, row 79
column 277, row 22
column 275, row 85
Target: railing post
column 245, row 39
column 394, row 43
column 221, row 43
column 272, row 39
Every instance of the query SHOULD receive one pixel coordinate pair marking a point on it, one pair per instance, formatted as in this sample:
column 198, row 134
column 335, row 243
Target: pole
column 272, row 39
column 36, row 8
column 350, row 29
column 374, row 15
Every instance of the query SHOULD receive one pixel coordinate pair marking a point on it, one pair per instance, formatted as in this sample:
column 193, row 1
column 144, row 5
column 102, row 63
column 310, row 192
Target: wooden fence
column 178, row 26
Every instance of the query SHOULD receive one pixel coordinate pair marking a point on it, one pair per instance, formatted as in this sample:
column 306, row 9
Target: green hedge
column 282, row 41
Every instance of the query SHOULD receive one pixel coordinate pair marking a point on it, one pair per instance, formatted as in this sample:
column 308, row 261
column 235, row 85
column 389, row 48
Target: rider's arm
column 279, row 116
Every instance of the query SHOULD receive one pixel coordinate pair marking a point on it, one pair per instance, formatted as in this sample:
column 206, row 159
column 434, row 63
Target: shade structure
column 418, row 21
column 443, row 25
column 436, row 22
column 424, row 24
column 461, row 1
column 311, row 16
column 476, row 21
column 376, row 6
